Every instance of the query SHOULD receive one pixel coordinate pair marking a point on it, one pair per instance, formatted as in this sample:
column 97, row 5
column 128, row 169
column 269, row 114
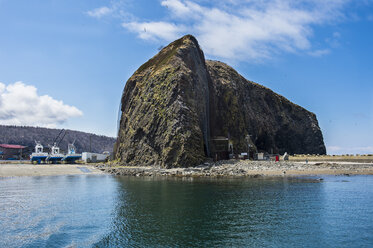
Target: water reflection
column 213, row 213
column 106, row 211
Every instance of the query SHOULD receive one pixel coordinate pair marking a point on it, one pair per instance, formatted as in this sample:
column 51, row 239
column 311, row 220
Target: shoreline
column 225, row 168
column 19, row 170
column 246, row 168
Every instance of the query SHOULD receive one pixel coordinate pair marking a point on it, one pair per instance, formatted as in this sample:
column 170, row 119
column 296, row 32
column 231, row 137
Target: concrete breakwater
column 245, row 168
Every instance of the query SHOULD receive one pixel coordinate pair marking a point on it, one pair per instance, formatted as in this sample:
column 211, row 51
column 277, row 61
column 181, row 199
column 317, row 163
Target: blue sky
column 64, row 63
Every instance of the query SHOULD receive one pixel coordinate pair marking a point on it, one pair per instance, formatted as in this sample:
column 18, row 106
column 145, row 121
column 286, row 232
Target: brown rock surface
column 174, row 103
column 276, row 125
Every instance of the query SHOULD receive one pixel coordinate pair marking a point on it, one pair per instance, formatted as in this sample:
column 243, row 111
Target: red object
column 12, row 146
column 277, row 158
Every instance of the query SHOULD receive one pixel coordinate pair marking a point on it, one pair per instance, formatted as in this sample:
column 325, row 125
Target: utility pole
column 90, row 143
column 248, row 145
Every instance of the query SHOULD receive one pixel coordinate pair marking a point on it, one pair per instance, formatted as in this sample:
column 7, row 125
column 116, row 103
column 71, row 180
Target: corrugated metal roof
column 12, row 146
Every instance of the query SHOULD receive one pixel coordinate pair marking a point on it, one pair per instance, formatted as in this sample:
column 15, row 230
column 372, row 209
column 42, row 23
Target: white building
column 90, row 157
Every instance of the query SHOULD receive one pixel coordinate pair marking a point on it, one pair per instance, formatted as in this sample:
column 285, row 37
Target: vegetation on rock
column 177, row 102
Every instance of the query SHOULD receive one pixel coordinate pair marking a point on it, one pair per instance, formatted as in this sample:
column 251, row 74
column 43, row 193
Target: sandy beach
column 14, row 170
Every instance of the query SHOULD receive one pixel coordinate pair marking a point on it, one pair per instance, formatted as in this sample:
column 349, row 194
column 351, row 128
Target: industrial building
column 11, row 152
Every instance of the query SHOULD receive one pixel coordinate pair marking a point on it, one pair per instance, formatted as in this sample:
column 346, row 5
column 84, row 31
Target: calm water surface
column 107, row 211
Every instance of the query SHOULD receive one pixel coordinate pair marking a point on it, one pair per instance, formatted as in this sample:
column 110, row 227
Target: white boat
column 71, row 155
column 55, row 155
column 39, row 155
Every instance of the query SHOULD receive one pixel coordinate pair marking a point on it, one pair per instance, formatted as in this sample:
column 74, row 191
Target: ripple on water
column 106, row 211
column 55, row 211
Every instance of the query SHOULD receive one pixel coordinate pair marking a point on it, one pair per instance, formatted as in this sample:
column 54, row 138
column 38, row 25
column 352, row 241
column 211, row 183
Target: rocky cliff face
column 176, row 102
column 274, row 123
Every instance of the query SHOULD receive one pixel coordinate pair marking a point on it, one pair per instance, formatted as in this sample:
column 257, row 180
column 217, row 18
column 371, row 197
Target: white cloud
column 117, row 9
column 336, row 34
column 154, row 30
column 20, row 104
column 319, row 53
column 100, row 12
column 338, row 150
column 186, row 9
column 244, row 29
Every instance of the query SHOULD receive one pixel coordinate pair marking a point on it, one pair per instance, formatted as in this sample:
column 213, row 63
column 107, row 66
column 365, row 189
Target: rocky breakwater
column 176, row 104
column 244, row 168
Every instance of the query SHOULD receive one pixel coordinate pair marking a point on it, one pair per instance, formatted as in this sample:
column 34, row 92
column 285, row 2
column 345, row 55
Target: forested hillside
column 28, row 135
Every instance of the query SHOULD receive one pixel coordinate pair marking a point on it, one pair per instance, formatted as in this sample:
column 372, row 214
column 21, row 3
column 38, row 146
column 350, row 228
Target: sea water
column 108, row 211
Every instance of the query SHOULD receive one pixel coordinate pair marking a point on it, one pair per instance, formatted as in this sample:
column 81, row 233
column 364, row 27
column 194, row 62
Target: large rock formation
column 177, row 103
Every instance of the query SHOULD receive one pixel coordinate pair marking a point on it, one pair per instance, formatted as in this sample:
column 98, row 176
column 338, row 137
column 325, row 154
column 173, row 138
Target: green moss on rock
column 177, row 101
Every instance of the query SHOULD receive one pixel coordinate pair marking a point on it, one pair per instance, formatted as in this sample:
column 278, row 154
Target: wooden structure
column 221, row 148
